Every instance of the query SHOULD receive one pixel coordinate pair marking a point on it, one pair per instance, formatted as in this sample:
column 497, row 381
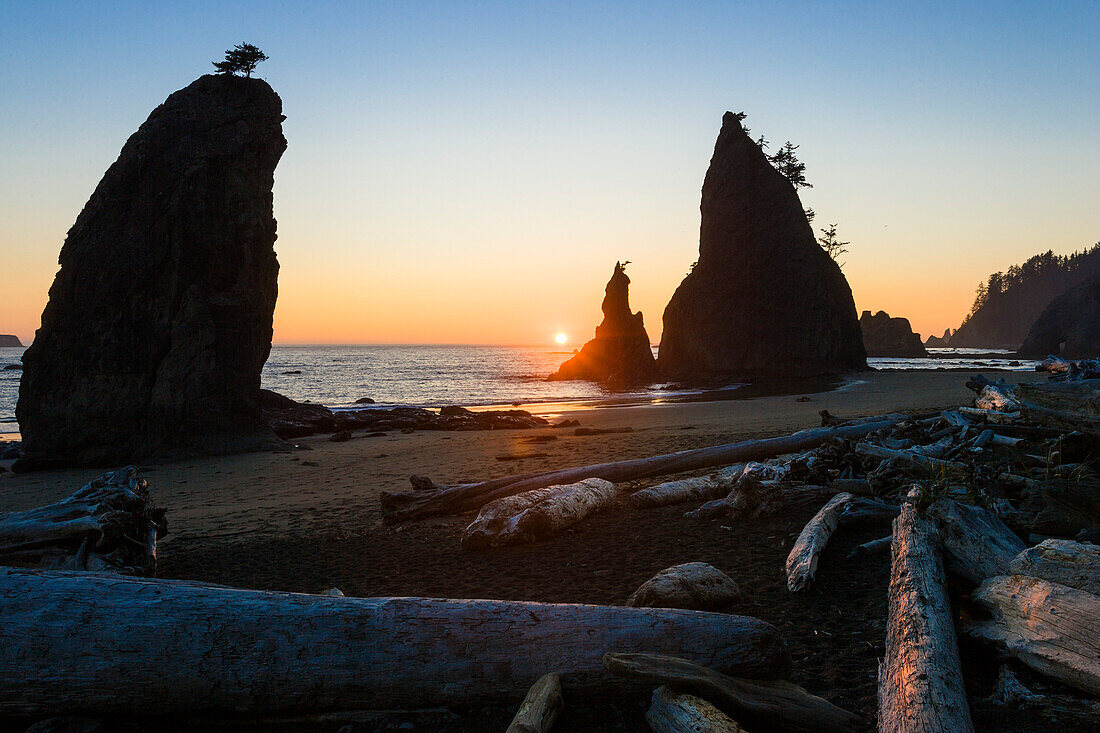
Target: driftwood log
column 108, row 524
column 469, row 497
column 694, row 585
column 802, row 560
column 108, row 644
column 977, row 541
column 536, row 514
column 920, row 678
column 1050, row 627
column 1076, row 564
column 763, row 705
column 688, row 489
column 540, row 709
column 1063, row 405
column 670, row 712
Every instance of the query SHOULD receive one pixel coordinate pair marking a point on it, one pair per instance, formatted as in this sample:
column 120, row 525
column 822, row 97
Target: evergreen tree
column 241, row 59
column 790, row 166
column 831, row 244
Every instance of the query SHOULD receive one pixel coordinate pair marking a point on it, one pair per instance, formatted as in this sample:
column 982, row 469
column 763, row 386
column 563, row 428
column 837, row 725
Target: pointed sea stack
column 620, row 352
column 764, row 299
column 1069, row 326
column 160, row 317
column 886, row 336
column 938, row 342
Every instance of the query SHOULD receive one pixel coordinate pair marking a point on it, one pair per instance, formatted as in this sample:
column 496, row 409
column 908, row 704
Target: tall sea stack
column 159, row 320
column 620, row 352
column 1069, row 326
column 764, row 300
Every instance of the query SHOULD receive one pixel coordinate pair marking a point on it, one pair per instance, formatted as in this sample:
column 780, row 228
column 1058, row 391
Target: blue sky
column 470, row 172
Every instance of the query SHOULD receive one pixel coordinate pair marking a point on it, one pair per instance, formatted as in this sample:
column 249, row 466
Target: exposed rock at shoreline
column 886, row 336
column 764, row 298
column 290, row 419
column 1070, row 325
column 939, row 342
column 7, row 340
column 160, row 317
column 620, row 352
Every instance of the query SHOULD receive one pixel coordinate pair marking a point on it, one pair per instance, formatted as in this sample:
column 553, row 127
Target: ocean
column 475, row 376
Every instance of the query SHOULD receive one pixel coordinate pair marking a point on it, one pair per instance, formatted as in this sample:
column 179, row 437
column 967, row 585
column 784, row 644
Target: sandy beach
column 309, row 520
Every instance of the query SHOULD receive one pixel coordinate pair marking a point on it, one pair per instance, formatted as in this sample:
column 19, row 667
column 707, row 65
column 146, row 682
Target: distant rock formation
column 160, row 317
column 764, row 300
column 1070, row 326
column 886, row 336
column 939, row 342
column 9, row 341
column 620, row 353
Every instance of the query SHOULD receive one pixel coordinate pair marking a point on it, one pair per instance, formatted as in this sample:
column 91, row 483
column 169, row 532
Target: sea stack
column 1069, row 326
column 938, row 342
column 886, row 336
column 9, row 341
column 620, row 353
column 160, row 318
column 764, row 300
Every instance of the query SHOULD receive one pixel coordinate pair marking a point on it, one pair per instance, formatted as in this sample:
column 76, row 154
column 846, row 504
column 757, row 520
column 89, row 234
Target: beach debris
column 671, row 712
column 570, row 423
column 468, row 497
column 538, row 513
column 802, row 560
column 920, row 678
column 1048, row 626
column 977, row 542
column 109, row 524
column 540, row 709
column 1075, row 564
column 760, row 704
column 695, row 585
column 602, row 431
column 711, row 486
column 882, row 544
column 520, row 456
column 341, row 436
column 309, row 653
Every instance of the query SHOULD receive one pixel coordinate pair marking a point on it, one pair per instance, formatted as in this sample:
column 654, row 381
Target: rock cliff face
column 939, row 342
column 886, row 336
column 1069, row 326
column 9, row 341
column 620, row 352
column 159, row 319
column 764, row 300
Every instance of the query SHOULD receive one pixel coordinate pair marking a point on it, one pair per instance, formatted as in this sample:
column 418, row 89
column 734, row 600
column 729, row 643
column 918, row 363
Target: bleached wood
column 920, row 678
column 670, row 712
column 760, row 705
column 978, row 542
column 802, row 560
column 688, row 489
column 1050, row 627
column 1076, row 564
column 468, row 497
column 537, row 513
column 694, row 585
column 541, row 708
column 102, row 644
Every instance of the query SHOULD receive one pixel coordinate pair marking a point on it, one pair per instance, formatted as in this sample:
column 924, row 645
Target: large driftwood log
column 764, row 705
column 537, row 513
column 688, row 489
column 541, row 708
column 978, row 542
column 920, row 679
column 1076, row 564
column 1065, row 405
column 1050, row 627
column 108, row 524
column 802, row 561
column 105, row 644
column 468, row 497
column 670, row 712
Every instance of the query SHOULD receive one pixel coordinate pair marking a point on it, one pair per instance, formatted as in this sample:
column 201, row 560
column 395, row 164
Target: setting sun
column 561, row 338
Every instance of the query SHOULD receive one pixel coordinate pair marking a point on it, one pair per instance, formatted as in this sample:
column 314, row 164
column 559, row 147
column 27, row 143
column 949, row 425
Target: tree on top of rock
column 241, row 59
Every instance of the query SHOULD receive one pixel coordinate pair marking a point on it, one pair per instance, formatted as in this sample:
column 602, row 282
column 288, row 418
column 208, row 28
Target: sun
column 561, row 338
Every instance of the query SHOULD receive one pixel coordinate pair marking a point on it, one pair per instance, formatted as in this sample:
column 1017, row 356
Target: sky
column 469, row 172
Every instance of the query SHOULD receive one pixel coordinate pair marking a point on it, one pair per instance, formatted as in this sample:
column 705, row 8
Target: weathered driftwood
column 802, row 560
column 694, row 585
column 882, row 544
column 765, row 705
column 541, row 708
column 993, row 417
column 978, row 542
column 920, row 678
column 1065, row 405
column 1050, row 627
column 468, row 497
column 1075, row 564
column 105, row 644
column 670, row 712
column 909, row 459
column 537, row 513
column 109, row 524
column 688, row 489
